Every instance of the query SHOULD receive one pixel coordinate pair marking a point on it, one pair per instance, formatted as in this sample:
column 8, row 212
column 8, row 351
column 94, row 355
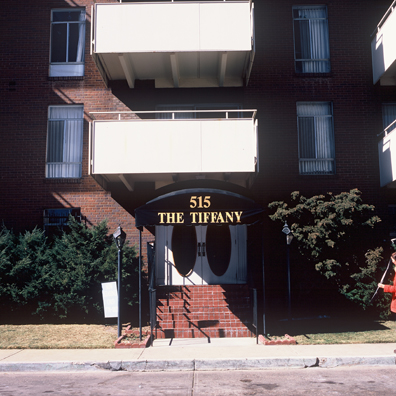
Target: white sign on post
column 110, row 299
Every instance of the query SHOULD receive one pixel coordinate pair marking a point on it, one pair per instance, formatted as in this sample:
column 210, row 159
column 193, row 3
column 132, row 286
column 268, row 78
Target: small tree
column 334, row 235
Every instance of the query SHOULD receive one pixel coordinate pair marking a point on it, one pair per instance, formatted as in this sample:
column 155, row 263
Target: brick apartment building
column 199, row 113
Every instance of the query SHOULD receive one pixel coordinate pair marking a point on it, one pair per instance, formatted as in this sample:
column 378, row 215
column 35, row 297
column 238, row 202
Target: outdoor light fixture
column 289, row 235
column 119, row 238
column 289, row 238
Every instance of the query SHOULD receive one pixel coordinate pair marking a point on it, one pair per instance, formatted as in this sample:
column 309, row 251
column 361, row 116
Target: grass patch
column 325, row 330
column 388, row 334
column 57, row 336
column 343, row 330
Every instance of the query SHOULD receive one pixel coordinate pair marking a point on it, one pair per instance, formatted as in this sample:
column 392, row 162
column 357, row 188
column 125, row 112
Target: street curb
column 328, row 362
column 254, row 363
column 200, row 364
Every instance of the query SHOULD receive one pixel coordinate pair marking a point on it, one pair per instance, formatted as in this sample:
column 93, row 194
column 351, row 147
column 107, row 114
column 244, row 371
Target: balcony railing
column 213, row 144
column 391, row 9
column 387, row 155
column 383, row 49
column 176, row 44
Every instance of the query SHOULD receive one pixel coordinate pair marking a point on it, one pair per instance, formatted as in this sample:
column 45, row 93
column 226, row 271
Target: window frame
column 386, row 127
column 392, row 220
column 312, row 60
column 316, row 159
column 80, row 153
column 68, row 69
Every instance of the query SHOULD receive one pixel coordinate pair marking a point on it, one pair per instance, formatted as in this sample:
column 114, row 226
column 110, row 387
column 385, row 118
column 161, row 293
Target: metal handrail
column 255, row 317
column 152, row 290
column 385, row 131
column 384, row 18
column 173, row 112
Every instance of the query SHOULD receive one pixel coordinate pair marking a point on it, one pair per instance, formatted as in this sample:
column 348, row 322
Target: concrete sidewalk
column 199, row 355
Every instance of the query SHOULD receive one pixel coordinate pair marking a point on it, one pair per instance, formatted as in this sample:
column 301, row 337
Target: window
column 389, row 116
column 311, row 39
column 315, row 138
column 392, row 220
column 57, row 220
column 64, row 141
column 67, row 43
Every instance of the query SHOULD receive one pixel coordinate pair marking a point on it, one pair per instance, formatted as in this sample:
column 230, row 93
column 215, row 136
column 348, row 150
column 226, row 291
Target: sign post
column 110, row 299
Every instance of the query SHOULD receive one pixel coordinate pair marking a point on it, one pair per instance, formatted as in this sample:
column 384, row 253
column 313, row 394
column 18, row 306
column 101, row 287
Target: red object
column 392, row 289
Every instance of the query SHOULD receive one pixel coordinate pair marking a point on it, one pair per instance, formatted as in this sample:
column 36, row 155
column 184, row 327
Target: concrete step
column 201, row 333
column 223, row 317
column 203, row 311
column 202, row 308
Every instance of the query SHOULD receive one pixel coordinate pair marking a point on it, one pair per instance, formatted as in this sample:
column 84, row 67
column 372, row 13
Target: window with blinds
column 64, row 141
column 316, row 138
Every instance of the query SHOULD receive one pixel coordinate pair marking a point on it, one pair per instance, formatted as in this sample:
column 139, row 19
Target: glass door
column 200, row 255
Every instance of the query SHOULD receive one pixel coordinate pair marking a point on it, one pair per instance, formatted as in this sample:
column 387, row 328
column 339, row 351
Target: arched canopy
column 199, row 206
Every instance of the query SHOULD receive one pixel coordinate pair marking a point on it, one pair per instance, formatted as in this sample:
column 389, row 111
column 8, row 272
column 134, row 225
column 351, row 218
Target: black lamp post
column 119, row 238
column 289, row 238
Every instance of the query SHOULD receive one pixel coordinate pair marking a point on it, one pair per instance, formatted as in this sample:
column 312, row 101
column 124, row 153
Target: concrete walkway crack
column 13, row 354
column 141, row 353
column 193, row 382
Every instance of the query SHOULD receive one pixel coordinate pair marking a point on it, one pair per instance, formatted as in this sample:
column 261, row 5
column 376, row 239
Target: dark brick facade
column 27, row 91
column 274, row 89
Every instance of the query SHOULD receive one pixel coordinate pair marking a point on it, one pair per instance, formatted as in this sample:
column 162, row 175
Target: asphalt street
column 358, row 380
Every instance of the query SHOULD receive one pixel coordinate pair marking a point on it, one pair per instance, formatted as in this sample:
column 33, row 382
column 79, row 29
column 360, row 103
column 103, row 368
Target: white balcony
column 167, row 150
column 177, row 44
column 383, row 49
column 387, row 156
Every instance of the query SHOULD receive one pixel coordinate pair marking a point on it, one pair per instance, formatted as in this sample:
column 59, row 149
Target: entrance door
column 200, row 255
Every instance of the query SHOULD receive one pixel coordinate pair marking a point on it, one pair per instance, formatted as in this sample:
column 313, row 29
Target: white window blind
column 64, row 141
column 316, row 138
column 311, row 39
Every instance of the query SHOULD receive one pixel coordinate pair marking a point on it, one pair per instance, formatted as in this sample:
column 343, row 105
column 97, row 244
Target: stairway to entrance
column 210, row 311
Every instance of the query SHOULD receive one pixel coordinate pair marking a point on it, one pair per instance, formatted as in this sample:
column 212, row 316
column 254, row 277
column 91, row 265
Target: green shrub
column 23, row 263
column 334, row 235
column 62, row 279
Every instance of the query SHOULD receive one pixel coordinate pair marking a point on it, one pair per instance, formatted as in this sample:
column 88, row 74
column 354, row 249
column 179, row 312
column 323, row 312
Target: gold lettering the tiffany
column 201, row 217
column 171, row 217
column 199, row 202
column 215, row 217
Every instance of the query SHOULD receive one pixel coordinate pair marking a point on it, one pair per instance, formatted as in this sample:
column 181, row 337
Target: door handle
column 203, row 249
column 199, row 249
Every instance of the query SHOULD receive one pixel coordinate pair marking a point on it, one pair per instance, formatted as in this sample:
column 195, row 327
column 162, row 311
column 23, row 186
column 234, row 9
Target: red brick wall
column 27, row 91
column 274, row 89
column 356, row 102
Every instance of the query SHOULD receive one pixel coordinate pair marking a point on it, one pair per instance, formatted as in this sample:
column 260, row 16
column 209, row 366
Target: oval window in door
column 184, row 249
column 218, row 248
